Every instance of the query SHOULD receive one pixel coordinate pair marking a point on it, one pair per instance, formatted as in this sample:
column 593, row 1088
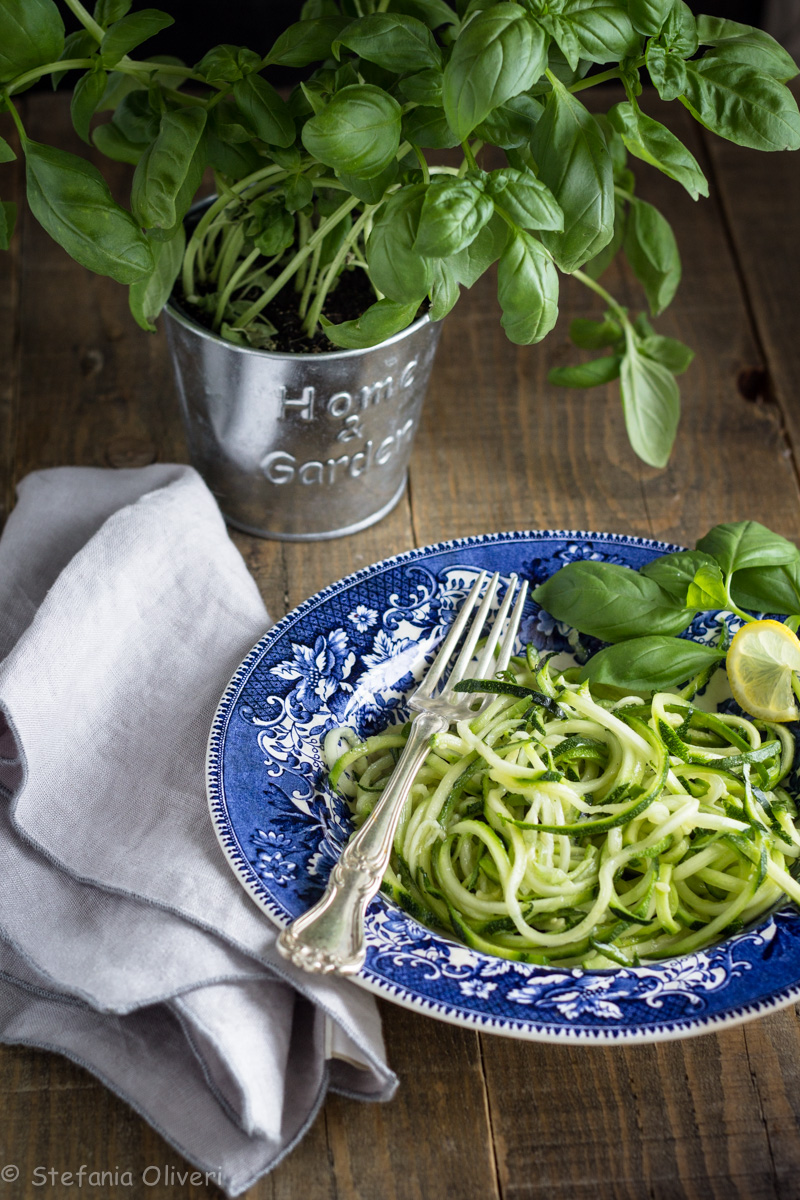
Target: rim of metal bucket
column 177, row 313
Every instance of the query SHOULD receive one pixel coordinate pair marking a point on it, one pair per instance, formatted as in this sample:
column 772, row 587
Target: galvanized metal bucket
column 301, row 446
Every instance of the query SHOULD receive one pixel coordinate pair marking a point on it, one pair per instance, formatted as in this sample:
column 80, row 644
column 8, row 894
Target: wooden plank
column 56, row 1117
column 677, row 1118
column 773, row 1051
column 94, row 389
column 433, row 1139
column 751, row 184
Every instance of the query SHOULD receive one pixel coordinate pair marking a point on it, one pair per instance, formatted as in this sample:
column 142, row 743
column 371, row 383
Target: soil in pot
column 351, row 297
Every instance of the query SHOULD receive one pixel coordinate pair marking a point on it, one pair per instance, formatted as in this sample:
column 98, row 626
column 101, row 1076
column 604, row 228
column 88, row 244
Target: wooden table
column 477, row 1117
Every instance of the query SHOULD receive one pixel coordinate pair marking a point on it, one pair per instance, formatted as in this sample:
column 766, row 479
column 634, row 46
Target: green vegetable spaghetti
column 558, row 827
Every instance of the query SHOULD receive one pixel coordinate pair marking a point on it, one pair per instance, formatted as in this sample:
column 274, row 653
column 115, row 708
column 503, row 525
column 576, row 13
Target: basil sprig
column 736, row 567
column 337, row 177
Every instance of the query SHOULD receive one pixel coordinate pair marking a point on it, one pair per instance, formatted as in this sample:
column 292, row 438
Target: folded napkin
column 126, row 942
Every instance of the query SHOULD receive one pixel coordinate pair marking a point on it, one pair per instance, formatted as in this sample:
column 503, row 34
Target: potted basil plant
column 334, row 234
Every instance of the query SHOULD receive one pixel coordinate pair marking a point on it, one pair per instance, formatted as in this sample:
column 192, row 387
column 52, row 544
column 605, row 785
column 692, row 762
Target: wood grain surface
column 477, row 1117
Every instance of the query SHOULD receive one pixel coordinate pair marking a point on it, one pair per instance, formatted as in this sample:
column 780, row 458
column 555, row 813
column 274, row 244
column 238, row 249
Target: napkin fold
column 126, row 942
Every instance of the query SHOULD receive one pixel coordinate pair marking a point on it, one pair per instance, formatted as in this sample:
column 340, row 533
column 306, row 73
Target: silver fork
column 330, row 936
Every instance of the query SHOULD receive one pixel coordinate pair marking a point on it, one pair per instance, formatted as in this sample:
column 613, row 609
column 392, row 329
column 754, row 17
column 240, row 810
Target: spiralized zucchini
column 556, row 827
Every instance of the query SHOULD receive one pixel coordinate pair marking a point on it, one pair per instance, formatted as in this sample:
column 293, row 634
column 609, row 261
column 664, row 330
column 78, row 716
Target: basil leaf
column 680, row 30
column 299, row 193
column 616, row 148
column 651, row 404
column 226, row 64
column 564, row 37
column 741, row 104
column 574, row 162
column 610, row 602
column 743, row 52
column 469, row 264
column 357, row 132
column 675, row 572
column 108, row 11
column 72, row 201
column 648, row 16
column 8, row 219
column 306, row 42
column 229, row 159
column 31, row 33
column 527, row 288
column 264, row 111
column 653, row 143
column 395, row 267
column 601, row 261
column 424, row 87
column 499, row 54
column 86, row 97
column 318, row 8
column 317, row 91
column 6, row 153
column 671, row 353
column 110, row 141
column 273, row 229
column 380, row 321
column 158, row 196
column 586, row 375
column 602, row 29
column 707, row 589
column 444, row 291
column 372, row 190
column 592, row 335
column 652, row 252
column 768, row 589
column 392, row 41
column 79, row 44
column 525, row 199
column 131, row 31
column 453, row 213
column 147, row 297
column 287, row 157
column 136, row 118
column 648, row 664
column 511, row 125
column 227, row 121
column 427, row 127
column 667, row 71
column 745, row 44
column 433, row 12
column 747, row 544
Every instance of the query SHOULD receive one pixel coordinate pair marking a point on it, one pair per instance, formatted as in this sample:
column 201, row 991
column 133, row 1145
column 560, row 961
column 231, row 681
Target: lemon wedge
column 761, row 662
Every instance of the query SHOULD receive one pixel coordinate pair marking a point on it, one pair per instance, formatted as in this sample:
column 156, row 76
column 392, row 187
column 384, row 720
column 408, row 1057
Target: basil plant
column 340, row 177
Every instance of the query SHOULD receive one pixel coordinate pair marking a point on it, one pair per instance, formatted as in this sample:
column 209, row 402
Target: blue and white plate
column 350, row 656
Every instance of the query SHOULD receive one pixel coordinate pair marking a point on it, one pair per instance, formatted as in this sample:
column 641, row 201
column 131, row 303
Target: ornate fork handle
column 330, row 936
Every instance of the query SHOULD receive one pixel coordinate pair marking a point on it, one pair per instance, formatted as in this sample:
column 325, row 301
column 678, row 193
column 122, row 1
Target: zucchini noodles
column 558, row 827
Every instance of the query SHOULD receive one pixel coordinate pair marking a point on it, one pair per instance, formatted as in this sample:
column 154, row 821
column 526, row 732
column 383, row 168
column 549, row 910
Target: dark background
column 201, row 24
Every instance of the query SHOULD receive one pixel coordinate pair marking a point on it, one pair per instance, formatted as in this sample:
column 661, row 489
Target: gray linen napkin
column 126, row 943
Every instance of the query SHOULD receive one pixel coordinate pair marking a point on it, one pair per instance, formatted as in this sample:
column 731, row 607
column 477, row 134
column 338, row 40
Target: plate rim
column 521, row 1029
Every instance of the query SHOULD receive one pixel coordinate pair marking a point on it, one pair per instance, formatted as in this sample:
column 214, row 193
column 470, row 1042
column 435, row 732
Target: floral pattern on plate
column 350, row 656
